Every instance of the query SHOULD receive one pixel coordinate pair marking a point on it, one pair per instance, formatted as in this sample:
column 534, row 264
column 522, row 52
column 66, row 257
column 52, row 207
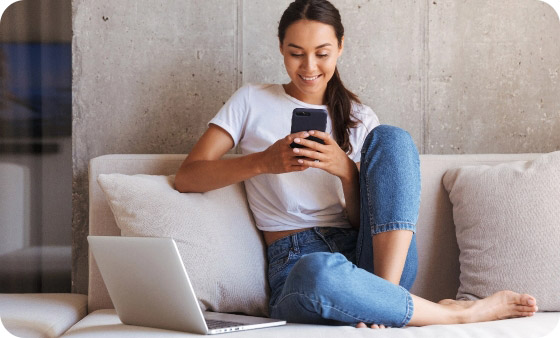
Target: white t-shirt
column 257, row 116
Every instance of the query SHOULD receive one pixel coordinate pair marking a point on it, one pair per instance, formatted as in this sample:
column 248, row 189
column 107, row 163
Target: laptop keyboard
column 221, row 324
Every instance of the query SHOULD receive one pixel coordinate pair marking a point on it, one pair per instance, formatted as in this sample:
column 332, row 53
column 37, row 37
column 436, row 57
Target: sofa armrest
column 41, row 315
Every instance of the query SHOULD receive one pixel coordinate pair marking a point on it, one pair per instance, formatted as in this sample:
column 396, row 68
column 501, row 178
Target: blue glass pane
column 37, row 98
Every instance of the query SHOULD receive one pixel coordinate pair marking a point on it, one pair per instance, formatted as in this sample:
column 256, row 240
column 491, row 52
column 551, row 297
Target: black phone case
column 305, row 119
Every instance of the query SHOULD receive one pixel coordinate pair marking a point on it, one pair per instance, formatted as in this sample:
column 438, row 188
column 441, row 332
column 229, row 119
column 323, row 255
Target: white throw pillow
column 507, row 220
column 222, row 250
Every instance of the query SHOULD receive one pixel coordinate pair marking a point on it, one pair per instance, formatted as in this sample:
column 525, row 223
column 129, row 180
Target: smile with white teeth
column 310, row 78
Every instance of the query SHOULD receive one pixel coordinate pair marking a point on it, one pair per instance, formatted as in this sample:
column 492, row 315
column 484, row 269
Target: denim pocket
column 280, row 262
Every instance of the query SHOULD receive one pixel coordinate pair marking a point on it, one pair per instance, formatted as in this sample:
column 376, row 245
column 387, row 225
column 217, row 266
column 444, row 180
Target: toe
column 522, row 308
column 361, row 325
column 527, row 300
column 375, row 326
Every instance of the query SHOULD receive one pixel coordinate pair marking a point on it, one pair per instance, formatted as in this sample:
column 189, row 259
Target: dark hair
column 337, row 98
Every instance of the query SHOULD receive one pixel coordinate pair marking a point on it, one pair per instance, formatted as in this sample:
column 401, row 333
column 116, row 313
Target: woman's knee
column 318, row 270
column 389, row 136
column 304, row 285
column 388, row 142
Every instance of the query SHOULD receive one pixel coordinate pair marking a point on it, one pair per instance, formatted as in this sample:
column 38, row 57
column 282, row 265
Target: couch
column 438, row 275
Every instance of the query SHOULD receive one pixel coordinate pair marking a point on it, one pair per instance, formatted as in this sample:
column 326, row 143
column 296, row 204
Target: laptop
column 149, row 286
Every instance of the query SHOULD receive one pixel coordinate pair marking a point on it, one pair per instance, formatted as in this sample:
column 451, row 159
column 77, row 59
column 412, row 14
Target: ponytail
column 340, row 100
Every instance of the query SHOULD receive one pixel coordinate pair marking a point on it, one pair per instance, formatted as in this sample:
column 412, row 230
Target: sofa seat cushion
column 41, row 315
column 106, row 323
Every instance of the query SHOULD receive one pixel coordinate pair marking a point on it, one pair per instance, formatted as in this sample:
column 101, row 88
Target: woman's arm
column 204, row 170
column 351, row 188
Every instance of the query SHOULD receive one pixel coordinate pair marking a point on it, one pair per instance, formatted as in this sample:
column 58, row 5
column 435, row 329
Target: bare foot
column 501, row 305
column 362, row 325
column 450, row 301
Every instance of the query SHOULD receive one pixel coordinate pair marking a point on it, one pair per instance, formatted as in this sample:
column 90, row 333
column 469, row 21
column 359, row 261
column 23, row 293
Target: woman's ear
column 281, row 49
column 341, row 46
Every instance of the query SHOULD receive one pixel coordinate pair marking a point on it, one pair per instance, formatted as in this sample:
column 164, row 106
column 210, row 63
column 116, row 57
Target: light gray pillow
column 507, row 220
column 222, row 250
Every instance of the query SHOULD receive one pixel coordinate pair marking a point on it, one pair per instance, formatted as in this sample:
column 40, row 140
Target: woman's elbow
column 179, row 184
column 182, row 181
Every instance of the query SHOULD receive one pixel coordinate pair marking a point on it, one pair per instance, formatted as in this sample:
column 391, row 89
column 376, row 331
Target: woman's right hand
column 280, row 158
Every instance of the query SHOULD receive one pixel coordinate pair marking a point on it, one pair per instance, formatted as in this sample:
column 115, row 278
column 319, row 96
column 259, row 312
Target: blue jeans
column 324, row 275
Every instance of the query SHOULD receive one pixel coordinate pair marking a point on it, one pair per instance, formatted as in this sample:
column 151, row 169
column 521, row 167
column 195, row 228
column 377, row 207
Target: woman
column 339, row 219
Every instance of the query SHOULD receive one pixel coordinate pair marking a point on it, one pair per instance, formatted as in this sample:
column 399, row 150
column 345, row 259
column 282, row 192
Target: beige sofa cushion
column 221, row 248
column 507, row 220
column 42, row 315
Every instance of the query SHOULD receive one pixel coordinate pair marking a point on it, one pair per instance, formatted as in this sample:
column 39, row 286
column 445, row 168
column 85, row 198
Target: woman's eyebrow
column 321, row 46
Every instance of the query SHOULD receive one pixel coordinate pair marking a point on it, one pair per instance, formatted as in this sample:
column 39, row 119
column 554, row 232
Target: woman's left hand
column 328, row 156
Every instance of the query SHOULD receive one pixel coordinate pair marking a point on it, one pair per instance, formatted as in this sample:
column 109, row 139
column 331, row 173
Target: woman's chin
column 304, row 92
column 312, row 88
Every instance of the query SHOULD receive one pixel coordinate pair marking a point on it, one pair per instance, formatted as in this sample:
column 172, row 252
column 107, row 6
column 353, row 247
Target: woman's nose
column 309, row 63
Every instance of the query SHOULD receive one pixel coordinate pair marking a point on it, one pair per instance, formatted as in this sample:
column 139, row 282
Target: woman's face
column 310, row 51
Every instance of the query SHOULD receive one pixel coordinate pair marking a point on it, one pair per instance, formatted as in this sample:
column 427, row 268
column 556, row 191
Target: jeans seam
column 369, row 202
column 409, row 307
column 316, row 301
column 379, row 228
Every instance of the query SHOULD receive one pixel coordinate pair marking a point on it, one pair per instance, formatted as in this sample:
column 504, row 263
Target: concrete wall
column 476, row 76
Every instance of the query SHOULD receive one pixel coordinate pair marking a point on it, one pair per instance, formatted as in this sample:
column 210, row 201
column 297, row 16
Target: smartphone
column 306, row 119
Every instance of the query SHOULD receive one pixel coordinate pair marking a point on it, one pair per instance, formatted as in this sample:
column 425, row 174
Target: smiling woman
column 341, row 241
column 310, row 64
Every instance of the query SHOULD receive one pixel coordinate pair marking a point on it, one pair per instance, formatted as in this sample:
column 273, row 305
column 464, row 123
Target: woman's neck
column 293, row 91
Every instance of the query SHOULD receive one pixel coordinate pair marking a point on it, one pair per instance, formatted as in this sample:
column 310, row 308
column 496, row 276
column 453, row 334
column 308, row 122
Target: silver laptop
column 149, row 286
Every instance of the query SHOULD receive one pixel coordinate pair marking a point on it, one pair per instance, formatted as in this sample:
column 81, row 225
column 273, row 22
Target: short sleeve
column 368, row 120
column 232, row 117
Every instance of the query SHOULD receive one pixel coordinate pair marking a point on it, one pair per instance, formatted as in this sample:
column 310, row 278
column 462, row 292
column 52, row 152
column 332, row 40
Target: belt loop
column 320, row 234
column 317, row 231
column 295, row 246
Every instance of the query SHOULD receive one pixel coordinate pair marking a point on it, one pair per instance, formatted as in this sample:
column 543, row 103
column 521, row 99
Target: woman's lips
column 309, row 79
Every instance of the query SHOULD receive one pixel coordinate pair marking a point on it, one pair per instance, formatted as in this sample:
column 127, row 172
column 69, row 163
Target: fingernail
column 296, row 140
column 312, row 132
column 532, row 302
column 296, row 150
column 305, row 134
column 300, row 161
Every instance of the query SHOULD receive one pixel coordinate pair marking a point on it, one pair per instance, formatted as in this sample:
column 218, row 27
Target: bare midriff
column 272, row 236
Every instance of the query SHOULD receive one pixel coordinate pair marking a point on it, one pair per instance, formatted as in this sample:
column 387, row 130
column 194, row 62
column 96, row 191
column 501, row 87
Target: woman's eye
column 318, row 55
